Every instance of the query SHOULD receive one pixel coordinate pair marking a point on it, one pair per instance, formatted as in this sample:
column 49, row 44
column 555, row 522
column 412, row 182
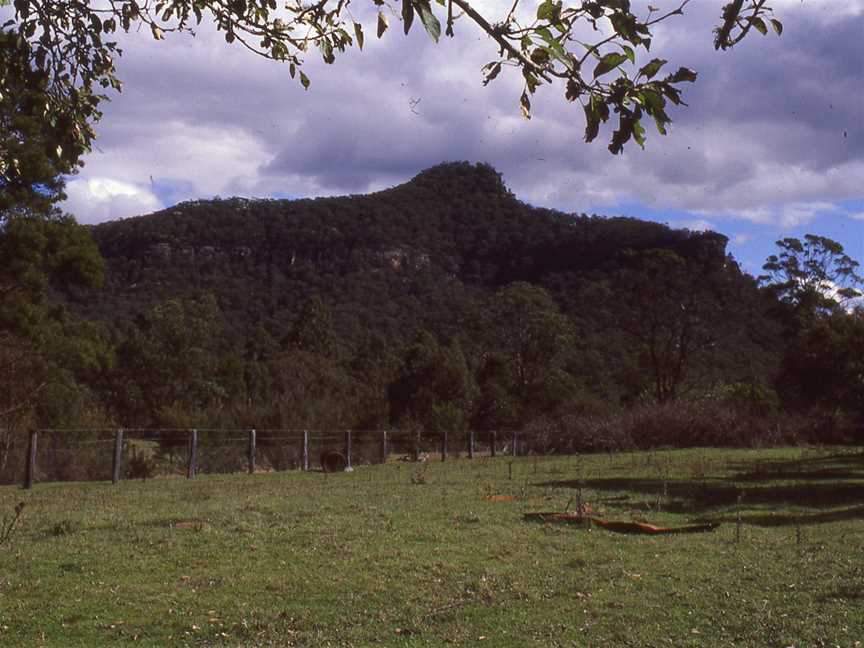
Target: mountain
column 449, row 269
column 453, row 228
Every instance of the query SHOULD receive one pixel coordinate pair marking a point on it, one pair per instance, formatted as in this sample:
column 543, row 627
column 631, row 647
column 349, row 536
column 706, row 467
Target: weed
column 419, row 476
column 141, row 467
column 63, row 528
column 7, row 527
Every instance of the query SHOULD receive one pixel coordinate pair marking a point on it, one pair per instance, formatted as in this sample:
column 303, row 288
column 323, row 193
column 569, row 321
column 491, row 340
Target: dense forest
column 443, row 303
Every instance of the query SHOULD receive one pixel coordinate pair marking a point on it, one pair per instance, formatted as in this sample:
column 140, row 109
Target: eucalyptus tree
column 813, row 275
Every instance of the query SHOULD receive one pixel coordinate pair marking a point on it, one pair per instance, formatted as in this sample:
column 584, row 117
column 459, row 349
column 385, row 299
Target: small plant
column 63, row 528
column 738, row 517
column 799, row 531
column 419, row 476
column 7, row 528
column 141, row 466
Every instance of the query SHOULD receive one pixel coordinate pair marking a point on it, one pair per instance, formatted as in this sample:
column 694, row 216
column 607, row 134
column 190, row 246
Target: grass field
column 407, row 555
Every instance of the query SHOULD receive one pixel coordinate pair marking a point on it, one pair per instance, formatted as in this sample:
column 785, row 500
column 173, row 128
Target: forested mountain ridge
column 452, row 223
column 440, row 304
column 442, row 297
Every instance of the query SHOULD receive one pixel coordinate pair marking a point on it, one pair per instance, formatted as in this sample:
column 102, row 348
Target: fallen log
column 617, row 526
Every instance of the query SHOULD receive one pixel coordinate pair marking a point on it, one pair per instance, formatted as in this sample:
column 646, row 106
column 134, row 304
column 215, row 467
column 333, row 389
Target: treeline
column 444, row 303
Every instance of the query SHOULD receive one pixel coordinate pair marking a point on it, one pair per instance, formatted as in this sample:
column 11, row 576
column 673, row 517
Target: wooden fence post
column 494, row 436
column 515, row 443
column 31, row 461
column 251, row 453
column 470, row 444
column 443, row 445
column 348, row 466
column 192, row 466
column 118, row 457
column 306, row 450
column 385, row 449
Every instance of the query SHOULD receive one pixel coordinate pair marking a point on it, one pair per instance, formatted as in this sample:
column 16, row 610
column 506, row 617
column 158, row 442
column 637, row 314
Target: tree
column 172, row 362
column 434, row 385
column 30, row 168
column 44, row 351
column 527, row 343
column 825, row 366
column 671, row 310
column 814, row 276
column 68, row 46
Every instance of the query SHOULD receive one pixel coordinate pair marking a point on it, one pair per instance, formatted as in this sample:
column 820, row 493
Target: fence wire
column 51, row 455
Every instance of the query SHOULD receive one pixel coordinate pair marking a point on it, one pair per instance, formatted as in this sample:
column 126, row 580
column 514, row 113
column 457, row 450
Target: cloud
column 98, row 199
column 773, row 133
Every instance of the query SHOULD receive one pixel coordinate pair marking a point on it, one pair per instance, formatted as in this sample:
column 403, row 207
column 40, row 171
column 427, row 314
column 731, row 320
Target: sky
column 771, row 145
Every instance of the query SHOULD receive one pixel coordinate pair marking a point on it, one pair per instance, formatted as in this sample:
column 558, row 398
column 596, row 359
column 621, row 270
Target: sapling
column 7, row 529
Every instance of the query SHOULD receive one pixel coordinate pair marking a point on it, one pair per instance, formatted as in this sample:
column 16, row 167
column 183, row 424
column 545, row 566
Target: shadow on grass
column 849, row 593
column 825, row 482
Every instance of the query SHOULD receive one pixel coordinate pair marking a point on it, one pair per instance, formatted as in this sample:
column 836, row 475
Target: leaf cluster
column 67, row 49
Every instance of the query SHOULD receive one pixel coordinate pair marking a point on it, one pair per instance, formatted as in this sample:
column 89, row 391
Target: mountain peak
column 459, row 178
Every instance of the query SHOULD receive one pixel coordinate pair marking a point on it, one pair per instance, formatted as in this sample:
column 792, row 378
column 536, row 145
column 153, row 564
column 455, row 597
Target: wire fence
column 53, row 455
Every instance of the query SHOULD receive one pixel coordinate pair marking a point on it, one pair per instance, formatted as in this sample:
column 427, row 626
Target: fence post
column 443, row 445
column 251, row 455
column 385, row 450
column 31, row 461
column 470, row 444
column 305, row 450
column 492, row 443
column 192, row 466
column 348, row 466
column 118, row 457
column 515, row 443
column 417, row 446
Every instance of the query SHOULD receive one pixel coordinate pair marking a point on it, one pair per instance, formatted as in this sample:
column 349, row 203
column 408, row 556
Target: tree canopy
column 65, row 50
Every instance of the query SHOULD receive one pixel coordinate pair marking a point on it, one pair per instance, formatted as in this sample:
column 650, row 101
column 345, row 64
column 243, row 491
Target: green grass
column 371, row 559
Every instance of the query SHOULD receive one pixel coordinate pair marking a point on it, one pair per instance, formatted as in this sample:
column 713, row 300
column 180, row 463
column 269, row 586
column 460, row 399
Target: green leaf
column 777, row 25
column 628, row 51
column 304, row 80
column 382, row 24
column 358, row 33
column 540, row 56
column 621, row 5
column 609, row 63
column 592, row 122
column 596, row 111
column 546, row 10
column 430, row 22
column 326, row 50
column 759, row 25
column 492, row 70
column 407, row 15
column 525, row 103
column 639, row 133
column 652, row 68
column 683, row 74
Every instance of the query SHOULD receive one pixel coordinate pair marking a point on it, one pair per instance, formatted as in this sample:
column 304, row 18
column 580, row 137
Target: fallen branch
column 619, row 526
